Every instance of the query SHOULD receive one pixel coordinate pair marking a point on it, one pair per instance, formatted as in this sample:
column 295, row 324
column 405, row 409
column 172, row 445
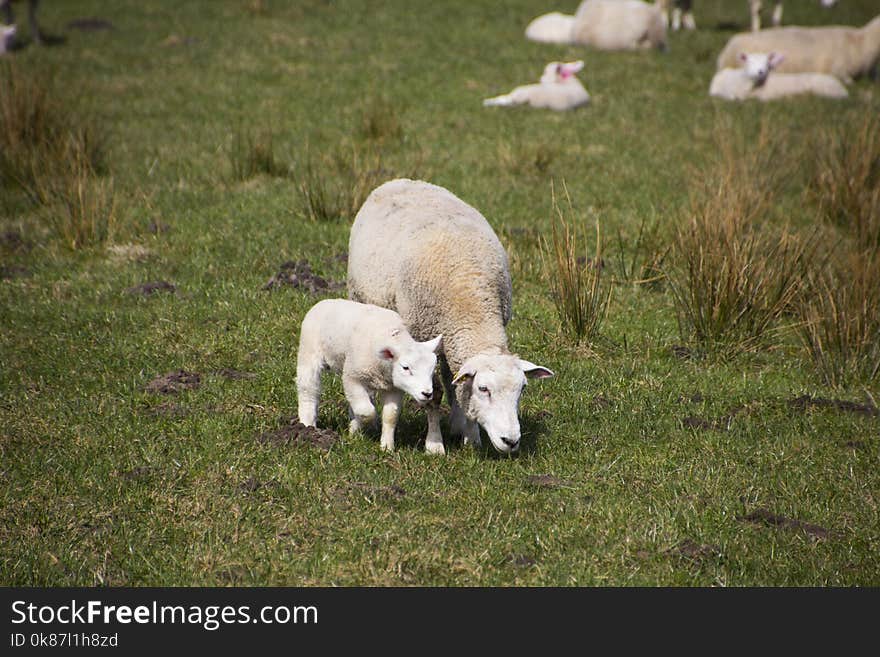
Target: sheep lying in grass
column 754, row 80
column 604, row 25
column 421, row 250
column 6, row 12
column 376, row 355
column 844, row 52
column 559, row 89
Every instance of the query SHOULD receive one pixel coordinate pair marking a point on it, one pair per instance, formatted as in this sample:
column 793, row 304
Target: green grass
column 101, row 486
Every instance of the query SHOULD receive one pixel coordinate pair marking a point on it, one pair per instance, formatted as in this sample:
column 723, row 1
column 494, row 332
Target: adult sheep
column 418, row 249
column 845, row 52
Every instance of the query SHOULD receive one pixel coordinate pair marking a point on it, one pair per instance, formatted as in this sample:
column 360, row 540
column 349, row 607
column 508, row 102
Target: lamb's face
column 412, row 367
column 559, row 72
column 494, row 385
column 757, row 65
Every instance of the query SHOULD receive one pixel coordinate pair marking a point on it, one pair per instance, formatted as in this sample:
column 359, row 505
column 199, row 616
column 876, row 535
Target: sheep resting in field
column 604, row 25
column 417, row 248
column 754, row 80
column 559, row 89
column 376, row 355
column 844, row 52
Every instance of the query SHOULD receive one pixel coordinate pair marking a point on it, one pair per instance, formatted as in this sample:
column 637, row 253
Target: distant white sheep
column 421, row 250
column 559, row 89
column 844, row 52
column 604, row 25
column 754, row 80
column 376, row 355
column 683, row 15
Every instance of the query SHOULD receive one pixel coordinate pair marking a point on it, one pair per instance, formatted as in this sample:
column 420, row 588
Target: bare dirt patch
column 767, row 517
column 294, row 432
column 694, row 552
column 174, row 382
column 299, row 274
column 148, row 289
column 804, row 402
column 521, row 560
column 548, row 481
column 138, row 473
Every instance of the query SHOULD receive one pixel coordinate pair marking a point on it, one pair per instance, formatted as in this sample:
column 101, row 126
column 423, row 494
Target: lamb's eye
column 405, row 368
column 483, row 388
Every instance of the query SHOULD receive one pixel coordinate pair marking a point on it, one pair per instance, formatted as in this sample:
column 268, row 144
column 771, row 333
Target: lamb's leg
column 362, row 410
column 434, row 439
column 777, row 14
column 391, row 402
column 518, row 96
column 308, row 388
column 32, row 17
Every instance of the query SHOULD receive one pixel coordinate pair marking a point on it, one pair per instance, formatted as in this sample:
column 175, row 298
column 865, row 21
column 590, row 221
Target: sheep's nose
column 427, row 394
column 510, row 442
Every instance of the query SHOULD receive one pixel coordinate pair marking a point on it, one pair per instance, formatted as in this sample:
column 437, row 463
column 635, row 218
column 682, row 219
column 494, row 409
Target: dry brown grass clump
column 575, row 277
column 253, row 154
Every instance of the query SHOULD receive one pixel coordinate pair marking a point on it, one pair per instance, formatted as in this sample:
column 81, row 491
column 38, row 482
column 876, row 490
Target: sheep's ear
column 467, row 372
column 434, row 345
column 534, row 371
column 774, row 59
column 387, row 353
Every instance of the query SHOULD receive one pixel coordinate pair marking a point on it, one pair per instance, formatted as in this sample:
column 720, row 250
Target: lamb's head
column 493, row 384
column 412, row 364
column 559, row 72
column 757, row 65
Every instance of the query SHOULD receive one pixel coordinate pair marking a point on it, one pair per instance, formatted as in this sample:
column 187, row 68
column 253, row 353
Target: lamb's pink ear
column 534, row 371
column 774, row 59
column 467, row 371
column 434, row 345
column 387, row 353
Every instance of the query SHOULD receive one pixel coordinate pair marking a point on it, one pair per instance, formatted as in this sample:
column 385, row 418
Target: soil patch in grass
column 299, row 274
column 174, row 382
column 8, row 272
column 148, row 289
column 804, row 402
column 294, row 432
column 767, row 517
column 693, row 552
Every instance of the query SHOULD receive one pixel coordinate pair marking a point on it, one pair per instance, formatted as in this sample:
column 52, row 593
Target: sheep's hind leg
column 308, row 391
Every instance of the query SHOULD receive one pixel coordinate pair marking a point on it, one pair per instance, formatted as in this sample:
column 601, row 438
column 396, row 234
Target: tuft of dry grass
column 641, row 261
column 527, row 160
column 580, row 293
column 380, row 121
column 840, row 315
column 735, row 274
column 253, row 154
column 846, row 181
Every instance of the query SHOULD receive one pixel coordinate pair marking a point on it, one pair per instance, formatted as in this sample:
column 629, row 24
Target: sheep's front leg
column 391, row 402
column 434, row 439
column 362, row 410
column 472, row 434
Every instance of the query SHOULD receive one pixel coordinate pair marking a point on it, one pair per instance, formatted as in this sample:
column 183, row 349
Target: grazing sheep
column 844, row 52
column 376, row 355
column 421, row 250
column 683, row 15
column 6, row 9
column 559, row 89
column 7, row 38
column 754, row 80
column 604, row 25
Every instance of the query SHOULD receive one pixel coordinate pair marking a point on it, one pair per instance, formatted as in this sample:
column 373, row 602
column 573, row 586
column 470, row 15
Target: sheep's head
column 558, row 72
column 757, row 65
column 493, row 384
column 412, row 364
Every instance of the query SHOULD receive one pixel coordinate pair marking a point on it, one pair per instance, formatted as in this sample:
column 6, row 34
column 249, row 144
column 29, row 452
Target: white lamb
column 559, row 89
column 754, row 80
column 604, row 25
column 376, row 355
column 7, row 38
column 421, row 250
column 844, row 52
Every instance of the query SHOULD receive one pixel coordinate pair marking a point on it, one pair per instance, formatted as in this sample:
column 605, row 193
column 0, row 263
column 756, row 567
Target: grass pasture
column 184, row 152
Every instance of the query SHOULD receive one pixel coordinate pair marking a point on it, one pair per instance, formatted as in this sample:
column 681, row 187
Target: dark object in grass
column 137, row 473
column 767, row 517
column 681, row 352
column 174, row 382
column 294, row 432
column 146, row 289
column 8, row 272
column 693, row 552
column 299, row 274
column 250, row 485
column 722, row 423
column 13, row 241
column 157, row 227
column 803, row 402
column 548, row 481
column 89, row 24
column 234, row 375
column 522, row 560
column 855, row 444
